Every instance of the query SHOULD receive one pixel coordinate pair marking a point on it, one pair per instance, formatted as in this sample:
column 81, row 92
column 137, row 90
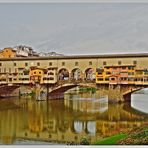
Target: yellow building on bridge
column 99, row 69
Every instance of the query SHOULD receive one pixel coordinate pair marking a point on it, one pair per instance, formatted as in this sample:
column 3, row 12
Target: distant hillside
column 42, row 54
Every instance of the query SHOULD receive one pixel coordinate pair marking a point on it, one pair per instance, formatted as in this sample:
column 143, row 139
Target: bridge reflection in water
column 56, row 122
column 85, row 101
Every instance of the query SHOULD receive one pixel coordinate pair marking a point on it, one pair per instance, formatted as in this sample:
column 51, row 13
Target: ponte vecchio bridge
column 124, row 72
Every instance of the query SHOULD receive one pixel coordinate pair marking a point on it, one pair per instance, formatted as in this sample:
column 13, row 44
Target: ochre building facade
column 100, row 69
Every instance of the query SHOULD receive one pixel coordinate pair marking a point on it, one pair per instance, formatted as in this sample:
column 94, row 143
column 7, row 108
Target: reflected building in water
column 12, row 122
column 85, row 102
column 53, row 121
column 35, row 117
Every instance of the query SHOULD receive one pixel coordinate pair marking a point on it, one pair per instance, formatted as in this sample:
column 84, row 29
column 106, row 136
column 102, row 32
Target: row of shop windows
column 24, row 79
column 50, row 73
column 99, row 79
column 109, row 73
column 51, row 78
column 26, row 73
column 129, row 73
column 123, row 67
column 119, row 63
column 10, row 79
column 50, row 64
column 76, row 63
column 123, row 79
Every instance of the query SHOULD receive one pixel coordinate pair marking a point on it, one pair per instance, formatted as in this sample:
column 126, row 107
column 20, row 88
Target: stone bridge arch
column 127, row 94
column 76, row 74
column 90, row 74
column 63, row 74
column 6, row 90
column 58, row 92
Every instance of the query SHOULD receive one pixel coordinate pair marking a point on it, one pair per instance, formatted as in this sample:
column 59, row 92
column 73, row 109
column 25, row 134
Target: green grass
column 110, row 140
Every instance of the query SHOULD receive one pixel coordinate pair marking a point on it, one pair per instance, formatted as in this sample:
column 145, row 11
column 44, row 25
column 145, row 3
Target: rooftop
column 129, row 55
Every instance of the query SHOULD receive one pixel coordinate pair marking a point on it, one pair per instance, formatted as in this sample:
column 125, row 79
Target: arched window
column 90, row 74
column 76, row 74
column 63, row 74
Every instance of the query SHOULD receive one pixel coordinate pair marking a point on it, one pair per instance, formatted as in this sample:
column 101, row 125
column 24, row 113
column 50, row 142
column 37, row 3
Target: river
column 68, row 120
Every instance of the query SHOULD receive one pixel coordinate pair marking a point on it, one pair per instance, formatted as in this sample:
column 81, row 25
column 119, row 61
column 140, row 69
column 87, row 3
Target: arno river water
column 68, row 120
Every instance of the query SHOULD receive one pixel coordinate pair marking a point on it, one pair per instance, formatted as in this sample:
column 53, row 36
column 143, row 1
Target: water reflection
column 78, row 126
column 35, row 116
column 53, row 121
column 140, row 102
column 85, row 102
column 88, row 127
column 91, row 127
column 10, row 122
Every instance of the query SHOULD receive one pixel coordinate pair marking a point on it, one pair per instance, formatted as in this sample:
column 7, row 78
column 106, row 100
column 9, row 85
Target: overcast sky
column 75, row 28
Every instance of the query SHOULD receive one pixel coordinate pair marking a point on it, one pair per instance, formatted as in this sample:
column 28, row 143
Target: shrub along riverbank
column 137, row 136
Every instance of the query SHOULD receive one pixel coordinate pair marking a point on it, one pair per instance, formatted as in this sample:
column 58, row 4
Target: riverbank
column 33, row 141
column 112, row 140
column 137, row 136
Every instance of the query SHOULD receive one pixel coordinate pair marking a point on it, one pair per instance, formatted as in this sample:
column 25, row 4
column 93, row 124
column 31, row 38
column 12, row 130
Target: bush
column 137, row 136
column 84, row 141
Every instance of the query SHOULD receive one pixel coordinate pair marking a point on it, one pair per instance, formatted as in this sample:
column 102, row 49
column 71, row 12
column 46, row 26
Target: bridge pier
column 47, row 90
column 118, row 93
column 127, row 98
column 40, row 93
column 115, row 94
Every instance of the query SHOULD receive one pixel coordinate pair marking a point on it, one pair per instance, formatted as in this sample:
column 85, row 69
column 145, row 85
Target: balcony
column 139, row 75
column 49, row 80
column 124, row 70
column 113, row 82
column 138, row 82
column 25, row 76
column 24, row 81
column 123, row 74
column 124, row 82
column 3, row 82
column 131, row 82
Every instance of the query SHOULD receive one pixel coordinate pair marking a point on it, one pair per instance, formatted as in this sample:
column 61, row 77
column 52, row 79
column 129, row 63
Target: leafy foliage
column 84, row 141
column 138, row 136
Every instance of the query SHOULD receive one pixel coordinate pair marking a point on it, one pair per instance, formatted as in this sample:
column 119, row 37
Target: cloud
column 77, row 28
column 122, row 29
column 74, row 1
